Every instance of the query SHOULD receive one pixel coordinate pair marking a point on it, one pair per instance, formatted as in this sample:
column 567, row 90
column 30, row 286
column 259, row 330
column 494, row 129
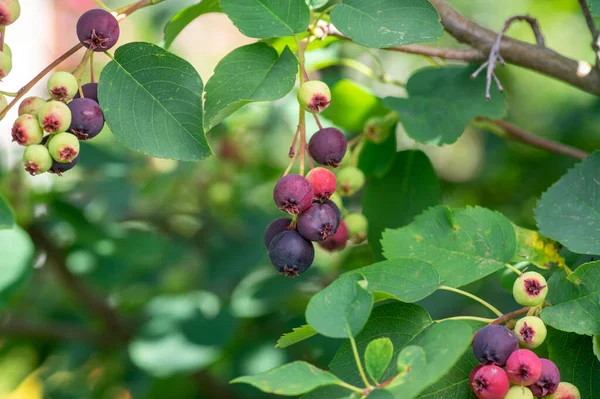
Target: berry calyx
column 323, row 182
column 473, row 372
column 336, row 209
column 490, row 382
column 530, row 289
column 548, row 382
column 493, row 344
column 87, row 119
column 350, row 180
column 55, row 117
column 37, row 159
column 5, row 63
column 62, row 86
column 530, row 331
column 318, row 223
column 566, row 391
column 293, row 194
column 26, row 130
column 328, row 147
column 31, row 106
column 338, row 241
column 519, row 392
column 10, row 10
column 314, row 96
column 275, row 227
column 90, row 90
column 523, row 367
column 98, row 30
column 357, row 227
column 63, row 147
column 291, row 253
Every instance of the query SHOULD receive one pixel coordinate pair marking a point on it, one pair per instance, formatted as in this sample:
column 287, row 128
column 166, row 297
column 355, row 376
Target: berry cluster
column 503, row 363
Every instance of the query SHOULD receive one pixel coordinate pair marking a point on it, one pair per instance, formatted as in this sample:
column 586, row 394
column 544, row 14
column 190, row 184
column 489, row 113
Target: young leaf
column 378, row 356
column 248, row 74
column 297, row 335
column 441, row 102
column 537, row 249
column 7, row 218
column 16, row 252
column 394, row 199
column 152, row 102
column 569, row 211
column 183, row 18
column 575, row 300
column 264, row 19
column 291, row 379
column 387, row 23
column 342, row 309
column 464, row 245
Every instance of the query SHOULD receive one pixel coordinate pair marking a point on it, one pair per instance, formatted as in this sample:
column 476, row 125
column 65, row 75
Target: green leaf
column 342, row 309
column 380, row 394
column 596, row 345
column 442, row 101
column 387, row 23
column 183, row 18
column 464, row 245
column 16, row 252
column 569, row 212
column 575, row 359
column 595, row 7
column 394, row 199
column 331, row 392
column 377, row 158
column 378, row 356
column 575, row 300
column 7, row 218
column 407, row 280
column 316, row 4
column 152, row 102
column 248, row 74
column 263, row 19
column 291, row 379
column 297, row 335
column 537, row 249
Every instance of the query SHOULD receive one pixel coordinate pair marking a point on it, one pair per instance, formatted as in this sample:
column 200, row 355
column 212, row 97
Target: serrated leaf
column 263, row 19
column 16, row 252
column 183, row 18
column 7, row 218
column 386, row 23
column 575, row 300
column 464, row 245
column 297, row 335
column 342, row 309
column 537, row 249
column 152, row 102
column 393, row 200
column 442, row 101
column 291, row 379
column 248, row 74
column 569, row 212
column 378, row 356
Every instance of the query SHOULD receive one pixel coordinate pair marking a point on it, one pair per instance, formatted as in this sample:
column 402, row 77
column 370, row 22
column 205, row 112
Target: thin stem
column 292, row 151
column 510, row 316
column 2, row 37
column 318, row 121
column 302, row 140
column 292, row 162
column 92, row 77
column 350, row 387
column 9, row 94
column 592, row 27
column 474, row 297
column 361, row 371
column 101, row 4
column 124, row 12
column 514, row 269
column 482, row 319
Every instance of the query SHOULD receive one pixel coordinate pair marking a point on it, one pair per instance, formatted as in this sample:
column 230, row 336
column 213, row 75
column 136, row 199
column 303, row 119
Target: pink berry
column 548, row 382
column 323, row 182
column 490, row 382
column 523, row 367
column 26, row 130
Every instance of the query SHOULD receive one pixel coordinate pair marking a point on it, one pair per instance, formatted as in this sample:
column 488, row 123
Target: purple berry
column 90, row 90
column 275, row 227
column 548, row 382
column 493, row 344
column 59, row 168
column 523, row 367
column 291, row 253
column 98, row 30
column 336, row 209
column 338, row 241
column 328, row 146
column 318, row 223
column 293, row 194
column 87, row 119
column 490, row 382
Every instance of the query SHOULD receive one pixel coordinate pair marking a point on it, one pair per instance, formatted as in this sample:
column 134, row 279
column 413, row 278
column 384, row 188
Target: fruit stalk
column 474, row 297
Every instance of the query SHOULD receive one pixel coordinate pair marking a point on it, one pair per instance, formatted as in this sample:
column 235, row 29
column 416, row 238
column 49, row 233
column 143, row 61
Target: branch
column 468, row 55
column 16, row 328
column 592, row 27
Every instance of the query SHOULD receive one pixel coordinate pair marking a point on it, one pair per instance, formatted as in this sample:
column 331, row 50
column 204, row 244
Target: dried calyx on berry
column 490, row 382
column 10, row 10
column 293, row 194
column 63, row 147
column 62, row 86
column 338, row 241
column 530, row 331
column 37, row 159
column 87, row 119
column 314, row 96
column 26, row 130
column 548, row 382
column 318, row 223
column 54, row 117
column 98, row 30
column 328, row 147
column 493, row 344
column 530, row 289
column 291, row 253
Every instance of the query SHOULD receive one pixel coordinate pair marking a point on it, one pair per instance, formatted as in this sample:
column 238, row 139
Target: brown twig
column 23, row 329
column 592, row 27
column 510, row 316
column 468, row 55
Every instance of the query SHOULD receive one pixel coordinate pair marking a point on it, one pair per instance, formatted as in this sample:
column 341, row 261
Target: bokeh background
column 177, row 247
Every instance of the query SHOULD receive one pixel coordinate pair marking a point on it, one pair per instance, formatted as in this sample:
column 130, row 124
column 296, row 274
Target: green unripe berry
column 31, row 106
column 63, row 147
column 10, row 10
column 350, row 180
column 565, row 390
column 357, row 225
column 530, row 289
column 220, row 194
column 3, row 102
column 518, row 392
column 26, row 130
column 37, row 159
column 62, row 86
column 7, row 50
column 314, row 96
column 377, row 129
column 55, row 117
column 530, row 332
column 5, row 64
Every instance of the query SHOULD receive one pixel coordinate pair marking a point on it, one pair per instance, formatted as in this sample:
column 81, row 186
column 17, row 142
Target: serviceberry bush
column 326, row 218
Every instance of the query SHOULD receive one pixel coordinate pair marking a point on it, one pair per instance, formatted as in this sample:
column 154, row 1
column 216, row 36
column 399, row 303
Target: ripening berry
column 338, row 241
column 323, row 182
column 328, row 147
column 530, row 331
column 291, row 253
column 37, row 159
column 490, row 382
column 314, row 96
column 523, row 367
column 530, row 289
column 55, row 117
column 357, row 227
column 26, row 130
column 548, row 382
column 318, row 223
column 350, row 180
column 565, row 391
column 63, row 147
column 493, row 344
column 275, row 227
column 62, row 86
column 5, row 64
column 90, row 90
column 87, row 119
column 377, row 129
column 293, row 194
column 31, row 106
column 98, row 30
column 59, row 168
column 519, row 392
column 10, row 10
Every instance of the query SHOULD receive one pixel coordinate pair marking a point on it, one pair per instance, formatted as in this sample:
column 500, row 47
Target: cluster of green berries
column 506, row 357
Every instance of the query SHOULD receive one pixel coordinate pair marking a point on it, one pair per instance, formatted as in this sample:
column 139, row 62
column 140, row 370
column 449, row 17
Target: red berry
column 523, row 367
column 293, row 194
column 490, row 382
column 323, row 182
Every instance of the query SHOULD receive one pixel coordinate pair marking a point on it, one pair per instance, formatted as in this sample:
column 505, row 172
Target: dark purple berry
column 548, row 382
column 336, row 209
column 90, row 90
column 275, row 227
column 338, row 241
column 291, row 253
column 523, row 367
column 59, row 168
column 98, row 30
column 318, row 223
column 328, row 146
column 293, row 194
column 87, row 119
column 493, row 344
column 490, row 382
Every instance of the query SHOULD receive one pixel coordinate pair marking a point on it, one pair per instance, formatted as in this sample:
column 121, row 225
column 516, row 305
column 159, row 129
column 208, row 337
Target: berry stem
column 78, row 72
column 302, row 117
column 101, row 4
column 302, row 140
column 92, row 77
column 514, row 269
column 9, row 93
column 125, row 11
column 474, row 297
column 361, row 371
column 482, row 319
column 510, row 316
column 318, row 121
column 350, row 387
column 2, row 35
column 292, row 162
column 293, row 146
